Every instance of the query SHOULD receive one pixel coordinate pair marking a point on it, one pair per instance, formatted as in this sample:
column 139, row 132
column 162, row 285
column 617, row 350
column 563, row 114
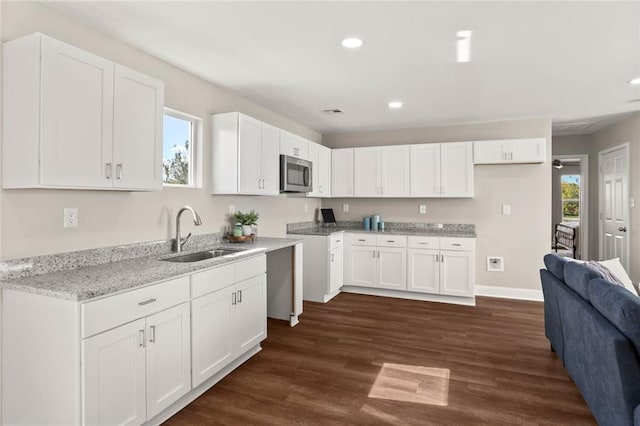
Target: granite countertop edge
column 425, row 233
column 84, row 284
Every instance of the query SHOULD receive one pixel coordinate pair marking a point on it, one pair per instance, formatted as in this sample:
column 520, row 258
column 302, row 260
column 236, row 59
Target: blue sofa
column 594, row 328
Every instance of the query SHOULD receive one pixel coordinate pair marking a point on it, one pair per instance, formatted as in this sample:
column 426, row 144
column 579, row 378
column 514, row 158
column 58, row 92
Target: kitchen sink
column 201, row 255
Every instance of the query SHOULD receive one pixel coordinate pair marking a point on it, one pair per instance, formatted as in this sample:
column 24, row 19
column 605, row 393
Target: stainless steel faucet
column 179, row 243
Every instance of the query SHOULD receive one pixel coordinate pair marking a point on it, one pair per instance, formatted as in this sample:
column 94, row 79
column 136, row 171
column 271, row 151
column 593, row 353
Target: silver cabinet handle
column 391, row 241
column 456, row 244
column 142, row 338
column 424, row 244
column 378, row 255
column 442, row 257
column 119, row 171
column 359, row 239
column 146, row 302
column 233, row 298
column 152, row 334
column 437, row 257
column 337, row 241
column 239, row 296
column 373, row 253
column 331, row 257
column 107, row 170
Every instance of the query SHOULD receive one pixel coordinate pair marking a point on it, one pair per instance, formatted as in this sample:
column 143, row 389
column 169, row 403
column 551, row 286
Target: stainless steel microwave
column 295, row 174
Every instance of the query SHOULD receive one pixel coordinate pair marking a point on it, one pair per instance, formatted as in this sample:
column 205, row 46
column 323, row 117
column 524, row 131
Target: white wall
column 32, row 219
column 522, row 238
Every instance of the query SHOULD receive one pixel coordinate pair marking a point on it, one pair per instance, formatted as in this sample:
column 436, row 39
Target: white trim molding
column 509, row 293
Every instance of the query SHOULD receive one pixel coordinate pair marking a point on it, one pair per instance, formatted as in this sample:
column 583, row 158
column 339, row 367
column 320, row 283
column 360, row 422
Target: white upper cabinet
column 75, row 120
column 137, row 130
column 245, row 156
column 381, row 171
column 510, row 151
column 442, row 170
column 342, row 172
column 320, row 157
column 293, row 145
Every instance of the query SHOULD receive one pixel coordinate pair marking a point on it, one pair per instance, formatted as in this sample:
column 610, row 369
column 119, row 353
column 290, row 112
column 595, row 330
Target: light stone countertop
column 326, row 231
column 99, row 280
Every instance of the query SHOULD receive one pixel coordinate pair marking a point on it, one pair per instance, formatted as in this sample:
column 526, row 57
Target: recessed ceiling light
column 635, row 81
column 395, row 104
column 352, row 42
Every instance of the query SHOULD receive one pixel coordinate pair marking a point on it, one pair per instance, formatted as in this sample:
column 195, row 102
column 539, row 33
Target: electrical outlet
column 506, row 209
column 423, row 209
column 70, row 217
column 345, row 208
column 495, row 263
column 439, row 225
column 232, row 209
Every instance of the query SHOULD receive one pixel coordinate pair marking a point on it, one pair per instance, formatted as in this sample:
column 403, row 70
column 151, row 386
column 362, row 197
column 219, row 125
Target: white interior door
column 614, row 205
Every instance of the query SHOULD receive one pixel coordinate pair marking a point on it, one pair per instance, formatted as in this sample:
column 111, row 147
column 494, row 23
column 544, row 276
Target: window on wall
column 180, row 135
column 570, row 187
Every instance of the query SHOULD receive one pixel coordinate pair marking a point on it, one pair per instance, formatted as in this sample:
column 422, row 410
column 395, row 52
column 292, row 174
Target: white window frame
column 195, row 149
column 567, row 200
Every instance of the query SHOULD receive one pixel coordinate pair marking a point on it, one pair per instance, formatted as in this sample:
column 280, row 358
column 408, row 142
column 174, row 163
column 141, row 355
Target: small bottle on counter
column 375, row 220
column 366, row 223
column 237, row 230
column 381, row 226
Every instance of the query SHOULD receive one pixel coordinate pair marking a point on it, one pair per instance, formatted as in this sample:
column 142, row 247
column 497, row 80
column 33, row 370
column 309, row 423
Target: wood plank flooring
column 366, row 360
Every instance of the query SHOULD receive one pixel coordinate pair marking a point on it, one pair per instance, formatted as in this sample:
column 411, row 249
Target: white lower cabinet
column 336, row 269
column 135, row 371
column 226, row 324
column 377, row 261
column 435, row 270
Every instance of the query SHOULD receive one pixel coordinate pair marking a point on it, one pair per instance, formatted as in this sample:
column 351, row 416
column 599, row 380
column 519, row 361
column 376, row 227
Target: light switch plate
column 423, row 209
column 506, row 209
column 345, row 208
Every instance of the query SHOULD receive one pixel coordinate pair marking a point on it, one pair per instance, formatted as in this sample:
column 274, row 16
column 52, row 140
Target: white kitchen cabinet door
column 113, row 376
column 269, row 160
column 324, row 171
column 314, row 157
column 457, row 169
column 425, row 170
column 456, row 273
column 249, row 135
column 77, row 117
column 250, row 315
column 366, row 172
column 392, row 268
column 293, row 145
column 394, row 171
column 361, row 266
column 137, row 130
column 490, row 152
column 342, row 172
column 212, row 334
column 168, row 357
column 528, row 151
column 423, row 267
column 336, row 269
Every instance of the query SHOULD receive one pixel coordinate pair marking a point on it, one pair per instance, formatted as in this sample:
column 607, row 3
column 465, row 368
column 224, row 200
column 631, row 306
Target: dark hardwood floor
column 375, row 361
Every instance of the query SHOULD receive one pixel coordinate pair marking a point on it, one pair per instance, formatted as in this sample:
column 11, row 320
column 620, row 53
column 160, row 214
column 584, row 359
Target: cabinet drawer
column 391, row 241
column 250, row 268
column 212, row 280
column 460, row 244
column 362, row 240
column 113, row 311
column 424, row 242
column 336, row 240
column 223, row 276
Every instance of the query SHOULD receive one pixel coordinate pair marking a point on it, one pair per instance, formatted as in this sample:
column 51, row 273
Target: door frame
column 583, row 233
column 626, row 147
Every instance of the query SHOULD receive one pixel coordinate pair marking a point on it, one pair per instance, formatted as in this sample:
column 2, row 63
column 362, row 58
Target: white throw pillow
column 616, row 268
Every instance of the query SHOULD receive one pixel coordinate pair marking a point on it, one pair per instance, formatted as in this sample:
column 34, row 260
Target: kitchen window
column 180, row 149
column 570, row 186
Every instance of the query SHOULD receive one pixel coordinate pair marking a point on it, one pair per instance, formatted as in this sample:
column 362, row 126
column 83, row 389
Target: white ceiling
column 568, row 61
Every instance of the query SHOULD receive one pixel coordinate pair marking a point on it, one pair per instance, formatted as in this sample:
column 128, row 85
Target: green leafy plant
column 250, row 218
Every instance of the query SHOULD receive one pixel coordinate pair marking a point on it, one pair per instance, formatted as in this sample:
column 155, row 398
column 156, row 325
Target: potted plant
column 247, row 220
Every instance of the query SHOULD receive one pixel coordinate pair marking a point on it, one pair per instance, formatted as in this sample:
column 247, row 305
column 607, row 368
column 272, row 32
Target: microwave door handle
column 307, row 177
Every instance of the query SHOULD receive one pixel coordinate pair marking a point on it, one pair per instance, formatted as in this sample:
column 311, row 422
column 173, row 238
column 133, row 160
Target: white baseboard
column 509, row 293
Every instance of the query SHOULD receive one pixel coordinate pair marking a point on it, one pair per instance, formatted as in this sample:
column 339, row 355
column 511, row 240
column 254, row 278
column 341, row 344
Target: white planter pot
column 246, row 229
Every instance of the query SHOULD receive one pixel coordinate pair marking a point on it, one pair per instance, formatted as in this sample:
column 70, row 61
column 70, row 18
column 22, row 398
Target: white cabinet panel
column 168, row 357
column 361, row 266
column 366, row 166
column 324, row 172
column 212, row 346
column 423, row 268
column 77, row 116
column 456, row 273
column 137, row 130
column 250, row 317
column 510, row 151
column 336, row 269
column 425, row 170
column 293, row 145
column 113, row 376
column 394, row 171
column 456, row 161
column 342, row 172
column 392, row 268
column 249, row 134
column 270, row 160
